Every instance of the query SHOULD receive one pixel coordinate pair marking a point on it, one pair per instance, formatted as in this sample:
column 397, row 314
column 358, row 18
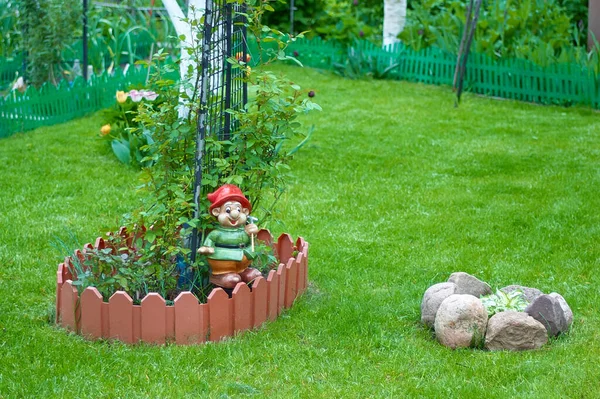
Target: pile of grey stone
column 454, row 309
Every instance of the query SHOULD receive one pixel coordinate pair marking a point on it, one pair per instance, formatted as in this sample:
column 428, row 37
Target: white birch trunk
column 195, row 11
column 593, row 23
column 394, row 19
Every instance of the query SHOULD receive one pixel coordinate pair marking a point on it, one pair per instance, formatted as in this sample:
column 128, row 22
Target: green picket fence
column 51, row 105
column 562, row 84
column 316, row 52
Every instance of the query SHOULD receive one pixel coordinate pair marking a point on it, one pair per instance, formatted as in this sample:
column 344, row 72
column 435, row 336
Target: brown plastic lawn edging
column 187, row 321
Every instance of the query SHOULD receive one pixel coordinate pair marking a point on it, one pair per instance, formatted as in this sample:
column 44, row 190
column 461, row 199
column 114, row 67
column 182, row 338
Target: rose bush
column 155, row 253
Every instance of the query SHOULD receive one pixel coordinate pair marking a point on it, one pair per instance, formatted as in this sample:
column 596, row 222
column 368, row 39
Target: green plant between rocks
column 255, row 157
column 502, row 302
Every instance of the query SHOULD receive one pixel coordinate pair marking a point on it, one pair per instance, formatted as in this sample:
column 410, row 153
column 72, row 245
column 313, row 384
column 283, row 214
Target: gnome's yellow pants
column 228, row 266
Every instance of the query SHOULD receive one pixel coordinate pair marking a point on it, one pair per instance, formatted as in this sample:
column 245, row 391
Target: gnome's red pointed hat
column 227, row 192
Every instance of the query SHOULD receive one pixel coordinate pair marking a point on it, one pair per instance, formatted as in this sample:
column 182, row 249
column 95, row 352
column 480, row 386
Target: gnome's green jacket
column 229, row 244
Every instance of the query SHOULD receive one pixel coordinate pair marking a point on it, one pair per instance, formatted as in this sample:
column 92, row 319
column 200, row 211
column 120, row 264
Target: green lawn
column 396, row 190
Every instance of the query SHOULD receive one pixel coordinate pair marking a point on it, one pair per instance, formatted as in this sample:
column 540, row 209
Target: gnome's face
column 231, row 214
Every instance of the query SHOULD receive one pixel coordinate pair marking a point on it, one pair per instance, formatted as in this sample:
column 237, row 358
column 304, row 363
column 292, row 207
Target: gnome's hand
column 251, row 229
column 206, row 250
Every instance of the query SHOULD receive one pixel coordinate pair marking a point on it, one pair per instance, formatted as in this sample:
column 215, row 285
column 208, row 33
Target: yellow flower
column 121, row 97
column 248, row 70
column 104, row 130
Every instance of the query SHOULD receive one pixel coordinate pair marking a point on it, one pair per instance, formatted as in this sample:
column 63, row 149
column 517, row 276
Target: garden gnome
column 228, row 246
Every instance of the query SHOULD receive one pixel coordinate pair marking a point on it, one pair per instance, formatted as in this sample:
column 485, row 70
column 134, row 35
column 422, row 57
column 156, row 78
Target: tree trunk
column 195, row 11
column 470, row 28
column 593, row 22
column 394, row 19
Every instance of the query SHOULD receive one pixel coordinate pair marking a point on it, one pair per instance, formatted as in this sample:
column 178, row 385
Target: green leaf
column 148, row 137
column 290, row 58
column 150, row 236
column 303, row 142
column 121, row 151
column 123, row 283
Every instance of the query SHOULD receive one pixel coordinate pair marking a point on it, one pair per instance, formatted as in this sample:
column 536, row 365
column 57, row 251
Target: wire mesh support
column 221, row 87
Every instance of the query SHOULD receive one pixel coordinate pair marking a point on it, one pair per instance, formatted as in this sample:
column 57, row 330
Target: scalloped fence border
column 187, row 322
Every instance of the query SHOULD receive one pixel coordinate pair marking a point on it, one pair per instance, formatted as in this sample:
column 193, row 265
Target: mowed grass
column 396, row 190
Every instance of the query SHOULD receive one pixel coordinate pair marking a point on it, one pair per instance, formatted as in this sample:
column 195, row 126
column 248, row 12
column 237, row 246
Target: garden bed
column 187, row 321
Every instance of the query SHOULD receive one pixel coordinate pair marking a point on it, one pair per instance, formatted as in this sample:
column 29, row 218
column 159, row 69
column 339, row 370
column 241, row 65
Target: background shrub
column 49, row 34
column 342, row 21
column 306, row 15
column 49, row 26
column 542, row 31
column 10, row 34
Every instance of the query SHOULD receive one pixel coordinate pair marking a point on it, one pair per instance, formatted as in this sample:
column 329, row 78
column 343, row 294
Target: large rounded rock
column 529, row 293
column 565, row 307
column 515, row 331
column 460, row 321
column 547, row 310
column 467, row 284
column 432, row 299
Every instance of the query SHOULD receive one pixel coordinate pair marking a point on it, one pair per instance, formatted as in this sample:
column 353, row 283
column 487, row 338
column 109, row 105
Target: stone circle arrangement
column 457, row 311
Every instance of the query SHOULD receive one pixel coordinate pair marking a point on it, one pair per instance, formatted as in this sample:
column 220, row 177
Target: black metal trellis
column 222, row 87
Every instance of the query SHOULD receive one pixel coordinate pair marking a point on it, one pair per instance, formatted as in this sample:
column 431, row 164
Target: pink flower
column 149, row 95
column 136, row 96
